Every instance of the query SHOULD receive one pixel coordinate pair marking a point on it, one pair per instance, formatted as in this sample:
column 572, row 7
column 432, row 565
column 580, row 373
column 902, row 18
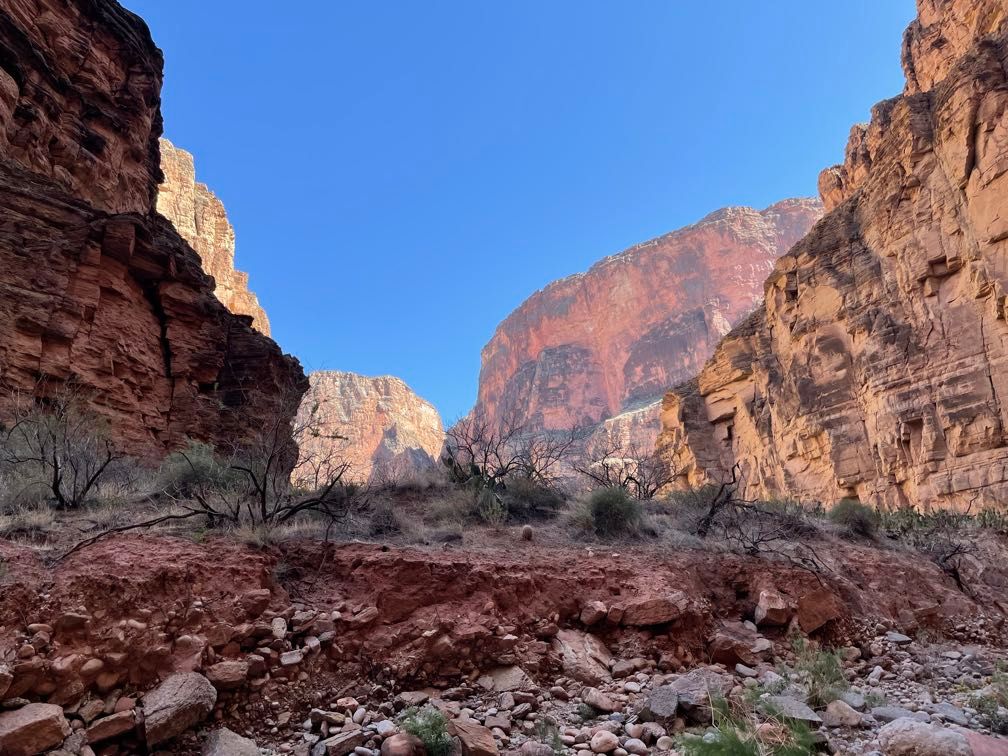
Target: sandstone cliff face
column 877, row 367
column 200, row 218
column 95, row 287
column 378, row 425
column 608, row 343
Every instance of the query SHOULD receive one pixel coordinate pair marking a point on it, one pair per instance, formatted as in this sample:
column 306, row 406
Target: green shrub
column 735, row 733
column 613, row 511
column 383, row 519
column 430, row 726
column 857, row 518
column 991, row 714
column 527, row 499
column 194, row 469
column 489, row 508
column 820, row 671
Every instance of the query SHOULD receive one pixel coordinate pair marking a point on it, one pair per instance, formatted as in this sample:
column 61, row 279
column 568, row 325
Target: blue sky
column 401, row 175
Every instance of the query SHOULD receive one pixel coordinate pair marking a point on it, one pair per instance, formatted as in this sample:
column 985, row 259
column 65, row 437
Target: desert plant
column 527, row 498
column 489, row 508
column 641, row 473
column 382, row 519
column 613, row 511
column 430, row 726
column 820, row 671
column 992, row 714
column 549, row 734
column 56, row 446
column 857, row 518
column 194, row 469
column 740, row 732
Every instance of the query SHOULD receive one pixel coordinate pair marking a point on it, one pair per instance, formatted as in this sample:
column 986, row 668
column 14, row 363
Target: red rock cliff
column 382, row 426
column 200, row 218
column 95, row 286
column 877, row 367
column 610, row 341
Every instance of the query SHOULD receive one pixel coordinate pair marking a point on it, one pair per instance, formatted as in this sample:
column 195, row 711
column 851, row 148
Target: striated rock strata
column 877, row 367
column 607, row 343
column 95, row 286
column 200, row 218
column 377, row 425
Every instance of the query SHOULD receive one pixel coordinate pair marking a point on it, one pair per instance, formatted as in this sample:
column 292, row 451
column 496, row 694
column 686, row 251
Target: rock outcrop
column 377, row 425
column 95, row 287
column 608, row 343
column 877, row 367
column 200, row 218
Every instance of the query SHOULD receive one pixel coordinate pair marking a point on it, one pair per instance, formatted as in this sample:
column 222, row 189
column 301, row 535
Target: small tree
column 55, row 442
column 487, row 455
column 642, row 474
column 290, row 466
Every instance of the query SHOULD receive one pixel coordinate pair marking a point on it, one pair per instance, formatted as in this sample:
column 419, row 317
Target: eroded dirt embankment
column 424, row 614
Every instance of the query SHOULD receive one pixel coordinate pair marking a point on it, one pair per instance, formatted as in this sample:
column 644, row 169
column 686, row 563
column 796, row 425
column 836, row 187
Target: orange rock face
column 95, row 286
column 378, row 425
column 877, row 367
column 608, row 343
column 200, row 218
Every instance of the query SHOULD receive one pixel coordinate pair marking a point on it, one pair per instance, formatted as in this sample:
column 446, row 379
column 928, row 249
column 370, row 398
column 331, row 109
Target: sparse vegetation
column 740, row 731
column 611, row 512
column 820, row 671
column 430, row 726
column 858, row 519
column 55, row 448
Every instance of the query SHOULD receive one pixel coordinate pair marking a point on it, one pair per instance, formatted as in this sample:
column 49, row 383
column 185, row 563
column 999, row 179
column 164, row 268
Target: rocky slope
column 876, row 368
column 95, row 286
column 200, row 218
column 612, row 340
column 378, row 425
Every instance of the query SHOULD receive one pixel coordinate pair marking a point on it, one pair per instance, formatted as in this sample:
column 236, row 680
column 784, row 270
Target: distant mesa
column 378, row 425
column 597, row 350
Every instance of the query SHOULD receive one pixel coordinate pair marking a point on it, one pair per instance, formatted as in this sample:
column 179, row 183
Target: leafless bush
column 264, row 481
column 640, row 473
column 478, row 446
column 55, row 447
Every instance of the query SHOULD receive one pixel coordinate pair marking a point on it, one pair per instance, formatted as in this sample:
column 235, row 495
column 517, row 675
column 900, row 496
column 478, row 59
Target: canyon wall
column 605, row 345
column 96, row 288
column 378, row 425
column 877, row 367
column 200, row 218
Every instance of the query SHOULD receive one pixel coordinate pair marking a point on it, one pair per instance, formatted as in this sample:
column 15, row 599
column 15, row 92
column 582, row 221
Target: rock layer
column 200, row 218
column 378, row 425
column 610, row 341
column 95, row 286
column 876, row 368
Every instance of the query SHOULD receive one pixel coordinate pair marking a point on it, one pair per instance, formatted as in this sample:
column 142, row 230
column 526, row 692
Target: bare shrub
column 857, row 518
column 263, row 481
column 642, row 474
column 55, row 447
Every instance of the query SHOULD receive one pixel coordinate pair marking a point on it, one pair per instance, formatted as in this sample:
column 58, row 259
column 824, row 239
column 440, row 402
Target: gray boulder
column 180, row 702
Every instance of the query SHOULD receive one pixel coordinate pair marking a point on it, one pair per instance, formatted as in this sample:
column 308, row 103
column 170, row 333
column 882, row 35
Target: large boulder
column 32, row 729
column 655, row 611
column 224, row 742
column 403, row 744
column 177, row 704
column 502, row 679
column 661, row 707
column 696, row 689
column 340, row 744
column 583, row 656
column 475, row 739
column 911, row 737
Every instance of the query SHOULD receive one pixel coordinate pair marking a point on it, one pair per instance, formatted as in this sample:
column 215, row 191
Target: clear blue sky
column 401, row 175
